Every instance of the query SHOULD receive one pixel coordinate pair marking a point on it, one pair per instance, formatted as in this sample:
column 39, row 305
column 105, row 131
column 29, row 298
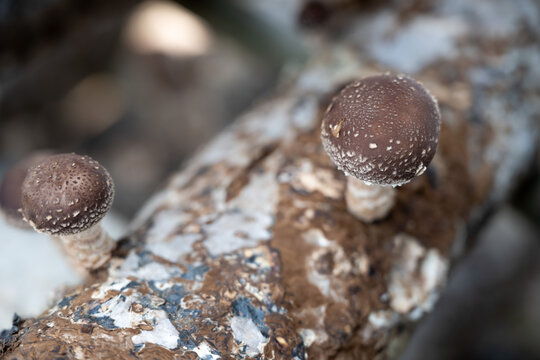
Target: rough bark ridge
column 249, row 252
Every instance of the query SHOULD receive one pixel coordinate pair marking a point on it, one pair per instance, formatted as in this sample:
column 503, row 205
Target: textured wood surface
column 249, row 251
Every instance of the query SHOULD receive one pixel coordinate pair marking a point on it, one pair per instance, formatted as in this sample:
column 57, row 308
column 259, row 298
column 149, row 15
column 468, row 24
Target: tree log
column 249, row 251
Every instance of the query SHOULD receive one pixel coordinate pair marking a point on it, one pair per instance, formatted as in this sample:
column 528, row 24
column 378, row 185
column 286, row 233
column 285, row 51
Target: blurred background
column 140, row 85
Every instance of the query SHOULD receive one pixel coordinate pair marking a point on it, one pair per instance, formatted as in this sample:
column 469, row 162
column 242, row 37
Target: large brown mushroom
column 66, row 196
column 382, row 131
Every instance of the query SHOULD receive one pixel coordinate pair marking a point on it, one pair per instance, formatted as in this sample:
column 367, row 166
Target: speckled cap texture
column 66, row 194
column 382, row 129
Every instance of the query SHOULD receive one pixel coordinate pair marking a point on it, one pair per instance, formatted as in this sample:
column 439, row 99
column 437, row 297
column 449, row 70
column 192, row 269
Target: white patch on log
column 326, row 283
column 378, row 322
column 174, row 248
column 249, row 216
column 415, row 276
column 316, row 237
column 316, row 335
column 204, row 352
column 305, row 113
column 246, row 332
column 114, row 285
column 236, row 154
column 308, row 336
column 482, row 13
column 513, row 141
column 163, row 332
column 380, row 319
column 418, row 44
column 306, row 177
column 166, row 222
column 327, row 72
column 151, row 271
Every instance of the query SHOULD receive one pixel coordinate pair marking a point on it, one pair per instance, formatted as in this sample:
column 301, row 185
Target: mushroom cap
column 382, row 129
column 66, row 194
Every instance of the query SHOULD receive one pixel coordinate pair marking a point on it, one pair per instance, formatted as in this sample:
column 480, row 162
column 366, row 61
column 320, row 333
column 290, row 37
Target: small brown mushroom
column 382, row 131
column 66, row 196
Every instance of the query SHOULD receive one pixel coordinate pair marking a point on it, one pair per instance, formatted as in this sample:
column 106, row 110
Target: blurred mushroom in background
column 11, row 188
column 165, row 84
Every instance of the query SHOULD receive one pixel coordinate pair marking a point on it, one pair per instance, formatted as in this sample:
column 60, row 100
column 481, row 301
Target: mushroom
column 66, row 196
column 10, row 188
column 381, row 131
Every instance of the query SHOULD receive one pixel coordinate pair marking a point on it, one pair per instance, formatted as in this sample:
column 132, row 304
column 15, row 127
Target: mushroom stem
column 368, row 202
column 89, row 249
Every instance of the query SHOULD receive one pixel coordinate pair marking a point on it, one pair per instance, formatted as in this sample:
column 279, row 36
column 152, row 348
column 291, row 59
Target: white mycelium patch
column 305, row 113
column 341, row 264
column 415, row 276
column 415, row 45
column 317, row 238
column 151, row 271
column 379, row 321
column 237, row 153
column 268, row 123
column 248, row 217
column 174, row 248
column 330, row 71
column 112, row 285
column 246, row 332
column 160, row 329
column 304, row 176
column 169, row 221
column 512, row 139
column 316, row 335
column 517, row 14
column 23, row 290
column 204, row 352
column 308, row 336
column 163, row 333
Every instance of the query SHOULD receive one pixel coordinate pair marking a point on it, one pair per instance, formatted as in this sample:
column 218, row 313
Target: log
column 249, row 251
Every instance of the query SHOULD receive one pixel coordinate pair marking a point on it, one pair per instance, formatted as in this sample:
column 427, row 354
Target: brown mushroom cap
column 382, row 129
column 66, row 194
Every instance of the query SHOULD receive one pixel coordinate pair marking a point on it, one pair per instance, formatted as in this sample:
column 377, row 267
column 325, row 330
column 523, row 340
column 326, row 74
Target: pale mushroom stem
column 89, row 249
column 369, row 202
